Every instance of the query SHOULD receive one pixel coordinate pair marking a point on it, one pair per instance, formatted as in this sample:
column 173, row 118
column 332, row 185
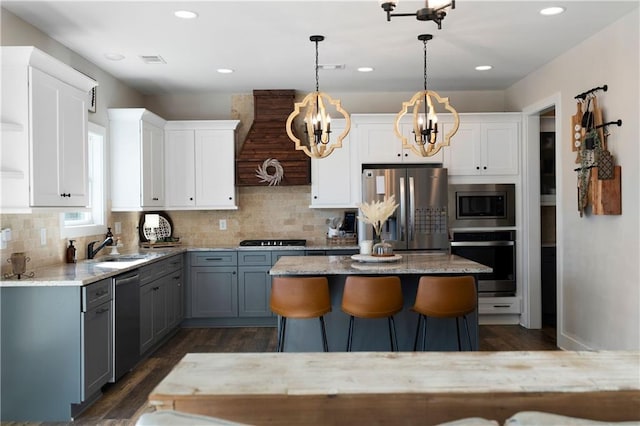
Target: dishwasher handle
column 129, row 279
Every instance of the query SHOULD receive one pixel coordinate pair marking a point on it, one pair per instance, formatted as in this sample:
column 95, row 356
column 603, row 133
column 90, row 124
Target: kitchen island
column 372, row 334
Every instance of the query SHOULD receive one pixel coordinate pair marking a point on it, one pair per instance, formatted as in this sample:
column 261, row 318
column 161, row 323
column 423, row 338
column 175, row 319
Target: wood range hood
column 267, row 139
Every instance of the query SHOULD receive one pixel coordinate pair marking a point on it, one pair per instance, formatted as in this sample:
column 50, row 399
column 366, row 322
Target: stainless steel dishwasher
column 126, row 328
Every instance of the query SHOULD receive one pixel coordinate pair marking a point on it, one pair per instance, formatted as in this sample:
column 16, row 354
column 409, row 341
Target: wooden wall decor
column 599, row 179
column 267, row 141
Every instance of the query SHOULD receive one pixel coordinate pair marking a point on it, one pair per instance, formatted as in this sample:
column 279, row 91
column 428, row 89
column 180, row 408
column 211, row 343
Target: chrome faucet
column 91, row 253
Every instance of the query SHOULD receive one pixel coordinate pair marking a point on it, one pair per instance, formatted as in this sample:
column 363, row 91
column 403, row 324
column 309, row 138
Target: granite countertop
column 426, row 263
column 85, row 272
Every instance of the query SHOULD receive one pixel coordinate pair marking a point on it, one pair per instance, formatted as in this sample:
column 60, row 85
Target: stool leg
column 283, row 326
column 424, row 334
column 350, row 337
column 415, row 342
column 458, row 333
column 468, row 332
column 325, row 344
column 392, row 334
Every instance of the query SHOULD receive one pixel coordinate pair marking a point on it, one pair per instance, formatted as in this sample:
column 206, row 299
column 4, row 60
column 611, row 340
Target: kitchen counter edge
column 85, row 272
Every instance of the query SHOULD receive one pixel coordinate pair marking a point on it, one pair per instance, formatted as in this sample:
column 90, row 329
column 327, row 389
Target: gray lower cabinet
column 161, row 301
column 213, row 284
column 254, row 283
column 97, row 321
column 55, row 350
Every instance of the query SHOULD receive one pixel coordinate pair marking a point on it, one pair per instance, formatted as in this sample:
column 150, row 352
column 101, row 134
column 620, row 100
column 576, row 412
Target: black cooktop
column 254, row 243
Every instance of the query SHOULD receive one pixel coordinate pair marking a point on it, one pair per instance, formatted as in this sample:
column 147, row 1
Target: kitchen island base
column 372, row 334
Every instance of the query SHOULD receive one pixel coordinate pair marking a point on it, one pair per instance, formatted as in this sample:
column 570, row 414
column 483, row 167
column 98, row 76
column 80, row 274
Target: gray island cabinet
column 372, row 334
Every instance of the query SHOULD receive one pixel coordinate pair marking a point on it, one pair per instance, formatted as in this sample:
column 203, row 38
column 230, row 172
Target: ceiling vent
column 267, row 141
column 153, row 59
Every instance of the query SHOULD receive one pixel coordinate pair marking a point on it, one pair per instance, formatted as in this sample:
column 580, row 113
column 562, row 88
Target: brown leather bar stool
column 445, row 297
column 372, row 297
column 300, row 297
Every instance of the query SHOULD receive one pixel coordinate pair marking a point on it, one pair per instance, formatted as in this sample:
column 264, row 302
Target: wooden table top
column 404, row 372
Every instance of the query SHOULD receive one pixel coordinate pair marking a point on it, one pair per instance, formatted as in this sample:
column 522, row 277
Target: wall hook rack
column 617, row 123
column 584, row 95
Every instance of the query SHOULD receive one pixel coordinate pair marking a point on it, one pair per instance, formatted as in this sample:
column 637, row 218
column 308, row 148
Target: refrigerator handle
column 403, row 209
column 412, row 208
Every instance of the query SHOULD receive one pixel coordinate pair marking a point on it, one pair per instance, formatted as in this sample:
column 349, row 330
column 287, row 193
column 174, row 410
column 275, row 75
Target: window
column 91, row 221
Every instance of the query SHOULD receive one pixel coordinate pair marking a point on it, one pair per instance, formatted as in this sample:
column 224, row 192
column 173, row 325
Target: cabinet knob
column 477, row 167
column 315, row 197
column 190, row 198
column 155, row 198
column 65, row 195
column 230, row 198
column 406, row 155
column 485, row 167
column 399, row 154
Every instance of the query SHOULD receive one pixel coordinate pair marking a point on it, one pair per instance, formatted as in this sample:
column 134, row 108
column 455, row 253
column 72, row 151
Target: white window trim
column 88, row 230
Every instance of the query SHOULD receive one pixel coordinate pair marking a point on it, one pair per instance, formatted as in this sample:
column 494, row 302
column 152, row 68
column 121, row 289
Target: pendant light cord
column 425, row 64
column 317, row 78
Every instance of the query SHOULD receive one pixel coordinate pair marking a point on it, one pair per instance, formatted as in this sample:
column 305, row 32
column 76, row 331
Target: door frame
column 532, row 289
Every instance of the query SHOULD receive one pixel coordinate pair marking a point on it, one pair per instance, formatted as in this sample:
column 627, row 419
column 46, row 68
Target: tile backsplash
column 263, row 212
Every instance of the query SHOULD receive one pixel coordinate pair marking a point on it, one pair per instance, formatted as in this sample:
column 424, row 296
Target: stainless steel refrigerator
column 420, row 221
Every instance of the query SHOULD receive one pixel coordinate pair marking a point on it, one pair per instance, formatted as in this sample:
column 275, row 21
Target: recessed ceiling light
column 114, row 56
column 224, row 70
column 484, row 67
column 365, row 69
column 185, row 14
column 549, row 11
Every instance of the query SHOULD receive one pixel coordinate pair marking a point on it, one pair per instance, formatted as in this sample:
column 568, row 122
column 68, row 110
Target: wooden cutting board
column 576, row 128
column 606, row 195
column 577, row 132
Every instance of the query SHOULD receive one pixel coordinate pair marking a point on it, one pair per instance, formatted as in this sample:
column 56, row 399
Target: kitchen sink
column 122, row 261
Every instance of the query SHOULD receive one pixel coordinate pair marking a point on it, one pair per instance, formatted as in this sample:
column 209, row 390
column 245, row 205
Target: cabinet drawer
column 499, row 307
column 96, row 294
column 257, row 258
column 174, row 263
column 214, row 258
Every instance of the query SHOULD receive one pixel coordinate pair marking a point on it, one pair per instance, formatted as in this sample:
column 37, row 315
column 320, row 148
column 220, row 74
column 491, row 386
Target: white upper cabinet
column 137, row 159
column 485, row 144
column 335, row 180
column 200, row 165
column 44, row 132
column 378, row 143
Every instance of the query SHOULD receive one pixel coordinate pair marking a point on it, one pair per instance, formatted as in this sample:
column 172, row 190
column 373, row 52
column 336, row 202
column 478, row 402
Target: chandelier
column 427, row 13
column 317, row 121
column 422, row 106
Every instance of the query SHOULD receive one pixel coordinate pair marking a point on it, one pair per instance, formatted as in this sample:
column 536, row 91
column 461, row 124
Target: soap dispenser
column 110, row 235
column 71, row 252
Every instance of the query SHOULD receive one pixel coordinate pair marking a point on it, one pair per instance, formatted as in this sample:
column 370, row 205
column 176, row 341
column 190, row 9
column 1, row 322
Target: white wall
column 599, row 274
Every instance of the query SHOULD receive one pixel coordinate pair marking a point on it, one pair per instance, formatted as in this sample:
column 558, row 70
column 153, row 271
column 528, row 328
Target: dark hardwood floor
column 123, row 402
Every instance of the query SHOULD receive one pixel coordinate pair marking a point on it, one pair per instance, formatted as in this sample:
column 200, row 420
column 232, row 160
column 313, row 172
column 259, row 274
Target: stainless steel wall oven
column 492, row 248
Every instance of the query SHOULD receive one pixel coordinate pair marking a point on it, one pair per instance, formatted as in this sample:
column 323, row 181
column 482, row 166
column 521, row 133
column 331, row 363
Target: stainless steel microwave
column 482, row 205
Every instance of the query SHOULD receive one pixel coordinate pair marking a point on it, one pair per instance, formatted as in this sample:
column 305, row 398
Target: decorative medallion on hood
column 267, row 156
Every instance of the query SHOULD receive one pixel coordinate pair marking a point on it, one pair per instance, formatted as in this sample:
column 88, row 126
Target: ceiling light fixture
column 425, row 121
column 185, row 14
column 427, row 13
column 550, row 11
column 365, row 69
column 224, row 70
column 317, row 121
column 484, row 67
